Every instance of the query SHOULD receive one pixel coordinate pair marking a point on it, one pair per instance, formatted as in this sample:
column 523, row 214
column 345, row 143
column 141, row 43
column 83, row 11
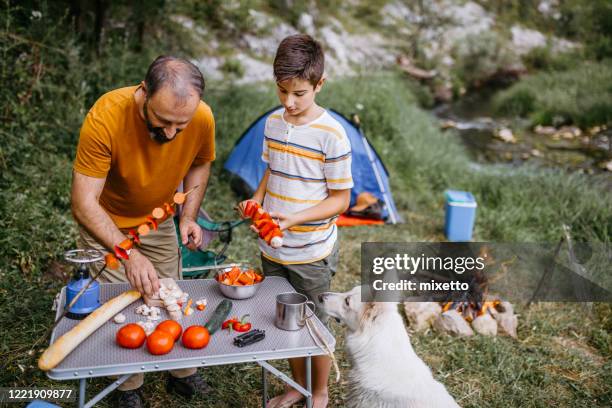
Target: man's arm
column 196, row 176
column 87, row 211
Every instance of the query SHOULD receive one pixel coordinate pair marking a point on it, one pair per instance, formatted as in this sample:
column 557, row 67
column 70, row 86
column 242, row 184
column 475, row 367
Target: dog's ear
column 370, row 312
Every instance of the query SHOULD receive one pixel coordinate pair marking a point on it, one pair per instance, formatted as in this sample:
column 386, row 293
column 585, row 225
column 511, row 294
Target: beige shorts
column 160, row 247
column 309, row 279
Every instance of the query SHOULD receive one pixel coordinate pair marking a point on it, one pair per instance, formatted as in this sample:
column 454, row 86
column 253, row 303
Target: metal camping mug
column 291, row 311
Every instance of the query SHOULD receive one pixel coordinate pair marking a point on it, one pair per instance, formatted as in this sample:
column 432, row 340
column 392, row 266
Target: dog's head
column 348, row 308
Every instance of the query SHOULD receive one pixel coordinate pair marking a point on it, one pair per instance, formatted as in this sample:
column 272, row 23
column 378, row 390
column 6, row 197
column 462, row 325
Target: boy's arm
column 336, row 203
column 261, row 189
column 258, row 195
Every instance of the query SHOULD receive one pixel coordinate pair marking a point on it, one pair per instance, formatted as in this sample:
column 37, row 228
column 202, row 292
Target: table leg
column 309, row 381
column 285, row 378
column 264, row 395
column 115, row 384
column 82, row 392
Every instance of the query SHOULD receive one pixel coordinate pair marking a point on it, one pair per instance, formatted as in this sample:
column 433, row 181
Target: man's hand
column 191, row 233
column 141, row 273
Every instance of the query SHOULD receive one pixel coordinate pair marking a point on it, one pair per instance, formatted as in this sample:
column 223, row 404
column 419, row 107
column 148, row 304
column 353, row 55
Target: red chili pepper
column 121, row 253
column 169, row 209
column 259, row 224
column 250, row 208
column 269, row 235
column 152, row 222
column 265, row 229
column 242, row 325
column 134, row 236
column 229, row 324
column 260, row 214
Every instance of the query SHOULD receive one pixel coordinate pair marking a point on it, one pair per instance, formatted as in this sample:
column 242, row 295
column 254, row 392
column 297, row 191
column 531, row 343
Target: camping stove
column 89, row 300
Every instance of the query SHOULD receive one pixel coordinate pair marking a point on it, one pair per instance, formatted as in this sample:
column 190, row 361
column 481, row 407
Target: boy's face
column 297, row 95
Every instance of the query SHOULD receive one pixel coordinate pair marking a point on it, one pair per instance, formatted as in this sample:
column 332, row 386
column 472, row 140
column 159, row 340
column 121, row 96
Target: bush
column 543, row 58
column 233, row 67
column 581, row 95
column 521, row 103
column 479, row 57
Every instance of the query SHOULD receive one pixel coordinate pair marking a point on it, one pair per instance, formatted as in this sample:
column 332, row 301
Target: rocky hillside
column 455, row 44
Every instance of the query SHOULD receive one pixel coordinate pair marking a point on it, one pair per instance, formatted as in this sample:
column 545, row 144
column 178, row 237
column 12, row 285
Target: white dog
column 386, row 372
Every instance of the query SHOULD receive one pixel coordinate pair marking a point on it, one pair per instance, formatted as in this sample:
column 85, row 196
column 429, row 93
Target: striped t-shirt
column 304, row 161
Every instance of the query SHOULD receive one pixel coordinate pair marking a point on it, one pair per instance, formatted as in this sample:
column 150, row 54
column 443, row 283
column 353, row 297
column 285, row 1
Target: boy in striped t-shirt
column 306, row 186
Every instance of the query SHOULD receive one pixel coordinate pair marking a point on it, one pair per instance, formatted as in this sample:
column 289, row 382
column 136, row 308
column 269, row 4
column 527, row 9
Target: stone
column 544, row 130
column 485, row 324
column 568, row 132
column 453, row 323
column 306, row 24
column 448, row 124
column 421, row 314
column 524, row 39
column 505, row 307
column 506, row 135
column 536, row 153
column 507, row 323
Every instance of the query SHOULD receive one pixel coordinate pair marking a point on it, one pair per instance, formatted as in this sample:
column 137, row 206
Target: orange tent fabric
column 348, row 221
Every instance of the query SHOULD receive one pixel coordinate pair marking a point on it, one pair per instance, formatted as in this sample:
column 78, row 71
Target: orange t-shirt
column 141, row 174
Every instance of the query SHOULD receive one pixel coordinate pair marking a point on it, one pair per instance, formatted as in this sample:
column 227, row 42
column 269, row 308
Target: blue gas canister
column 460, row 215
column 89, row 300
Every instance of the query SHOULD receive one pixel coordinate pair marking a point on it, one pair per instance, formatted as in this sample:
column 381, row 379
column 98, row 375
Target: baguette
column 75, row 336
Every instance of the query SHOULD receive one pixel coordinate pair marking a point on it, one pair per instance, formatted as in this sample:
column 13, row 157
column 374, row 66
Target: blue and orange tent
column 369, row 172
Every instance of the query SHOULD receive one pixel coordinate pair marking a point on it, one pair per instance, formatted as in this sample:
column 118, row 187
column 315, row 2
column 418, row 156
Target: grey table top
column 99, row 355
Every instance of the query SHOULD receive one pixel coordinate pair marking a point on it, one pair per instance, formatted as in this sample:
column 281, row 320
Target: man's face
column 297, row 95
column 166, row 116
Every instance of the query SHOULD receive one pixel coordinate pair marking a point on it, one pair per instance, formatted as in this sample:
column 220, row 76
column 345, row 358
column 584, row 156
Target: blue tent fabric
column 245, row 162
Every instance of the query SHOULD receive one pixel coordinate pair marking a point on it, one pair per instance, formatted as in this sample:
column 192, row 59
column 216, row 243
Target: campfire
column 463, row 318
column 471, row 310
column 476, row 311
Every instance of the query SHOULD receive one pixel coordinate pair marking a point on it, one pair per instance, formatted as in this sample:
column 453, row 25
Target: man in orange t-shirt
column 136, row 146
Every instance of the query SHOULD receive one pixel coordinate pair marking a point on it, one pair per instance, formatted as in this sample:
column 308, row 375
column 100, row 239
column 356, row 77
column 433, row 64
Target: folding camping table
column 100, row 356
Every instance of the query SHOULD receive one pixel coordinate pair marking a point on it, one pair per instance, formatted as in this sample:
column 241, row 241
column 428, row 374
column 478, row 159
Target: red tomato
column 160, row 342
column 172, row 327
column 131, row 336
column 196, row 337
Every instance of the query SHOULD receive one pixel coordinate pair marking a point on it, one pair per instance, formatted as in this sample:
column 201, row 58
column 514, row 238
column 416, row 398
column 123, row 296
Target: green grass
column 563, row 353
column 580, row 95
column 519, row 205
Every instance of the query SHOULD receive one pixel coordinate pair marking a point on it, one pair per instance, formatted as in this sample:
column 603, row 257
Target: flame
column 470, row 310
column 486, row 305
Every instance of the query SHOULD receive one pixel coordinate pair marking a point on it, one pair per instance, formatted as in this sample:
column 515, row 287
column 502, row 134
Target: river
column 490, row 138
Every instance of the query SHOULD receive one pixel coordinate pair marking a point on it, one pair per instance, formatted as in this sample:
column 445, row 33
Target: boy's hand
column 242, row 205
column 284, row 220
